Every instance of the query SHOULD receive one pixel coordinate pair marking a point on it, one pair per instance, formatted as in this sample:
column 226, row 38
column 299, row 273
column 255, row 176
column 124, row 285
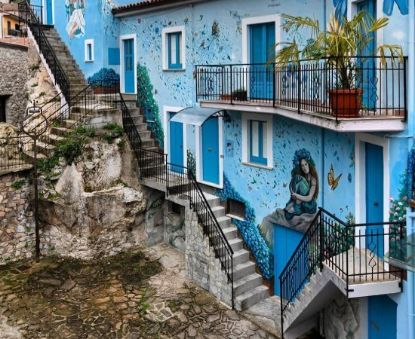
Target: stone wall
column 92, row 208
column 14, row 76
column 174, row 230
column 16, row 218
column 23, row 80
column 201, row 265
column 341, row 319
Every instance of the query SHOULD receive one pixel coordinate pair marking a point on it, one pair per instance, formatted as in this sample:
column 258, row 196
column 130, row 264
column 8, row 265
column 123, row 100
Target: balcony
column 308, row 91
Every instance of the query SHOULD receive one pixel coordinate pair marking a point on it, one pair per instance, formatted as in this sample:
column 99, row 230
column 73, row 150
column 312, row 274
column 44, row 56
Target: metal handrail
column 330, row 241
column 45, row 48
column 158, row 160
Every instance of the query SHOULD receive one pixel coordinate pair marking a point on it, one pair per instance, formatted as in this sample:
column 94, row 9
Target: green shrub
column 114, row 131
column 70, row 148
column 18, row 184
column 87, row 131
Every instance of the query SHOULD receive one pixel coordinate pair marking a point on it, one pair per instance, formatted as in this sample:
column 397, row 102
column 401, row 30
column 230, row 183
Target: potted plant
column 338, row 46
column 240, row 95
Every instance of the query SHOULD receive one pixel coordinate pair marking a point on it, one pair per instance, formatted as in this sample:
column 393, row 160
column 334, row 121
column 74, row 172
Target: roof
column 9, row 7
column 149, row 5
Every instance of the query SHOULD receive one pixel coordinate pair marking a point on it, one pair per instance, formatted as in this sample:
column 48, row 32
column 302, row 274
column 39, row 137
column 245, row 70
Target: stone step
column 69, row 123
column 45, row 148
column 147, row 142
column 62, row 131
column 236, row 244
column 224, row 222
column 230, row 232
column 30, row 156
column 138, row 119
column 240, row 257
column 218, row 211
column 251, row 297
column 52, row 139
column 247, row 283
column 243, row 270
column 212, row 199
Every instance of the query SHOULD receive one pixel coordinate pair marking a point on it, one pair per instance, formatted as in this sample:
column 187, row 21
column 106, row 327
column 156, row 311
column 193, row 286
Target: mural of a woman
column 302, row 206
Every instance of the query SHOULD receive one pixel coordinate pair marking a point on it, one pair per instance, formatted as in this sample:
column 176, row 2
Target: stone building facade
column 14, row 76
column 16, row 218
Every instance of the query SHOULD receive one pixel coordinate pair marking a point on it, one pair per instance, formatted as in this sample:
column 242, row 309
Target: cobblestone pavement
column 141, row 294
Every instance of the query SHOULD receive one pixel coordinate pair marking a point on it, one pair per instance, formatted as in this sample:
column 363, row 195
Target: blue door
column 49, row 15
column 129, row 66
column 382, row 317
column 374, row 197
column 368, row 65
column 262, row 51
column 210, row 150
column 286, row 241
column 176, row 145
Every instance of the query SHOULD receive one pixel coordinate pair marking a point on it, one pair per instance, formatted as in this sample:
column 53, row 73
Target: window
column 173, row 48
column 257, row 140
column 89, row 50
column 235, row 208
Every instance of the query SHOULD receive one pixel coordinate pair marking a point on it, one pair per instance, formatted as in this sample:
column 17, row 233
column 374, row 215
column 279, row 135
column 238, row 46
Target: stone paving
column 139, row 294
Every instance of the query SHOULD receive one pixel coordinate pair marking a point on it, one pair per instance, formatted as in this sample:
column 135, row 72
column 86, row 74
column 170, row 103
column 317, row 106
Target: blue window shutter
column 174, row 38
column 258, row 138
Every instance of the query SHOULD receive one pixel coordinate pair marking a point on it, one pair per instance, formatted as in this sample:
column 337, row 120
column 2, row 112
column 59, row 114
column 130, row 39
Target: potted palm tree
column 338, row 47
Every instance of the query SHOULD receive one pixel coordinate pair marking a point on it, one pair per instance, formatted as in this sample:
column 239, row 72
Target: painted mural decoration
column 388, row 6
column 301, row 209
column 332, row 180
column 75, row 10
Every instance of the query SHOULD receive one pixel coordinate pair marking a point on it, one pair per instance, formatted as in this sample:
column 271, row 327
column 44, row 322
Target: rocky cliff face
column 96, row 206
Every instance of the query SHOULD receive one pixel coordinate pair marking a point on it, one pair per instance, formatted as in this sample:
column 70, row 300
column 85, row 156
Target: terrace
column 307, row 91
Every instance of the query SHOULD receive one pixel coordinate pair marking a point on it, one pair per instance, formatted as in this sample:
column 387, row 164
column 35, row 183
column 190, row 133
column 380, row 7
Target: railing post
column 299, row 87
column 231, row 84
column 405, row 98
column 274, row 87
column 321, row 235
column 197, row 82
column 282, row 309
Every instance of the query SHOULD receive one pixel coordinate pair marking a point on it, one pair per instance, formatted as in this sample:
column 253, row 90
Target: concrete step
column 138, row 119
column 69, row 123
column 62, row 131
column 230, row 232
column 251, row 297
column 30, row 156
column 224, row 222
column 240, row 257
column 148, row 142
column 45, row 148
column 218, row 211
column 52, row 139
column 247, row 283
column 243, row 270
column 236, row 244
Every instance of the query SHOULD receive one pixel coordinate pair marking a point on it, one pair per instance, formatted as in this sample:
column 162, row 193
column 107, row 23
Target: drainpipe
column 411, row 111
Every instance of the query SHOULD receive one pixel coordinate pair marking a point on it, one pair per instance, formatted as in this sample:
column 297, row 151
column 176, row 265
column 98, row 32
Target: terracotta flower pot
column 345, row 103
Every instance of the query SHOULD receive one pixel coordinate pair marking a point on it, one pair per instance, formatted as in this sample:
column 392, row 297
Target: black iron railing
column 79, row 110
column 368, row 86
column 353, row 251
column 181, row 182
column 32, row 17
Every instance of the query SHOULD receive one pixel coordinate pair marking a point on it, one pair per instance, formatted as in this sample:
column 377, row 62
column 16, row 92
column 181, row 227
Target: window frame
column 265, row 158
column 87, row 43
column 167, row 34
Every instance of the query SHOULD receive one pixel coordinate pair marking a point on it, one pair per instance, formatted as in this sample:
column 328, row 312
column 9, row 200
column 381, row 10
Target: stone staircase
column 248, row 284
column 70, row 67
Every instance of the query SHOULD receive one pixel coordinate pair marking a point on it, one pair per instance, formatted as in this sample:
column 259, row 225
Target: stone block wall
column 16, row 218
column 14, row 76
column 202, row 266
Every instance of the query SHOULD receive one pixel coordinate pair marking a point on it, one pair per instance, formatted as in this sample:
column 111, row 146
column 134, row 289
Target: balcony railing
column 355, row 252
column 376, row 87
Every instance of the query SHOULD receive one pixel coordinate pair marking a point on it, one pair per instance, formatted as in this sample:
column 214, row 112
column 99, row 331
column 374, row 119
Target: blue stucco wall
column 99, row 25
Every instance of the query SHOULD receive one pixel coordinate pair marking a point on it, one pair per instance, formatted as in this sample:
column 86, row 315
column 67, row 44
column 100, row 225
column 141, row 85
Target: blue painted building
column 276, row 149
